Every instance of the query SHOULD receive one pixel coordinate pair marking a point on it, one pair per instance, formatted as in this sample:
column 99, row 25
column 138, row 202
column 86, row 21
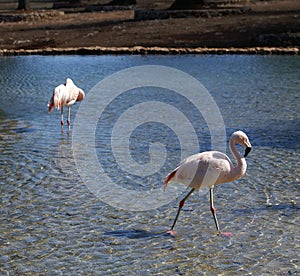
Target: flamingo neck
column 240, row 169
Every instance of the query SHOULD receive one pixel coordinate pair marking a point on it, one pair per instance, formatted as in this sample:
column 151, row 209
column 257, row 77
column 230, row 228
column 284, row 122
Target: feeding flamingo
column 208, row 169
column 65, row 95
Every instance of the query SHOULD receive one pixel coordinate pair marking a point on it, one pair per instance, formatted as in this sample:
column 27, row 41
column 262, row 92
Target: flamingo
column 65, row 95
column 208, row 169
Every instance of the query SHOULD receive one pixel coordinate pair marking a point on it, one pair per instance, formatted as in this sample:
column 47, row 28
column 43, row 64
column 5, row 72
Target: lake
column 89, row 200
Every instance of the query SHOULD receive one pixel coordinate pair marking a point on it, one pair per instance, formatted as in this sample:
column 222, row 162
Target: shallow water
column 52, row 223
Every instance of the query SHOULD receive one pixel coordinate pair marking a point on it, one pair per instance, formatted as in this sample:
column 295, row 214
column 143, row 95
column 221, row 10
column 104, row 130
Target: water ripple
column 51, row 223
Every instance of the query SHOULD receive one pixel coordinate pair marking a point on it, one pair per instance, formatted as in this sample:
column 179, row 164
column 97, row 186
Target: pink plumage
column 65, row 95
column 210, row 168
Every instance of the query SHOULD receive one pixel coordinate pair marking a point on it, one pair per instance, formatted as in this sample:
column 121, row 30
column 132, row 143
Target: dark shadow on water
column 23, row 129
column 10, row 126
column 137, row 234
column 281, row 206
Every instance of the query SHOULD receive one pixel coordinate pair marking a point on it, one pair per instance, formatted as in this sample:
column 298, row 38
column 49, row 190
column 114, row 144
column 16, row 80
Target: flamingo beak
column 247, row 150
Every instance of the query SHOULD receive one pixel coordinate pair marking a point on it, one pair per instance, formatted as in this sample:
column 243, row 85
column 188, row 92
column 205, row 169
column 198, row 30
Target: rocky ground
column 261, row 26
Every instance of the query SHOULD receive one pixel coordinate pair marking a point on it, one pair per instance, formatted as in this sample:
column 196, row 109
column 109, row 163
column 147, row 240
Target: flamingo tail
column 168, row 178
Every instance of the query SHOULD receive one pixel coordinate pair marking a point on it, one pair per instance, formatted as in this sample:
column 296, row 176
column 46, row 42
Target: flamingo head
column 51, row 104
column 241, row 138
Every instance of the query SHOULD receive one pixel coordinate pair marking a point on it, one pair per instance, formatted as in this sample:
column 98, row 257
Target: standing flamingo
column 208, row 169
column 65, row 95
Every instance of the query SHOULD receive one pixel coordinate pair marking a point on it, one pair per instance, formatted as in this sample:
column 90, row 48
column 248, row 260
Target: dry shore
column 260, row 28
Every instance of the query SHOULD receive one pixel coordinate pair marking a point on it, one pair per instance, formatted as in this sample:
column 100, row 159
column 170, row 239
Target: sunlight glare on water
column 51, row 223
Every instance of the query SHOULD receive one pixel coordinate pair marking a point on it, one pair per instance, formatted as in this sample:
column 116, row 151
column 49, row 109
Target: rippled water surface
column 52, row 223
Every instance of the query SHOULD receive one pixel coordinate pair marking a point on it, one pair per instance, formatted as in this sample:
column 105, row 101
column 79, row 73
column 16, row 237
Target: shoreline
column 141, row 50
column 260, row 28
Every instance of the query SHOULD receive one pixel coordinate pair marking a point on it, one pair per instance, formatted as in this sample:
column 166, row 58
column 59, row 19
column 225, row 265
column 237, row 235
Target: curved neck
column 240, row 169
column 235, row 152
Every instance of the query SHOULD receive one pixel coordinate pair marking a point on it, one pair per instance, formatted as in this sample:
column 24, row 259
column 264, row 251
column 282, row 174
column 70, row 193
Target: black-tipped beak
column 247, row 150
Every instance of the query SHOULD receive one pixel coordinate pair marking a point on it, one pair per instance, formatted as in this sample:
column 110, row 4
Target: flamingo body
column 210, row 168
column 65, row 95
column 191, row 172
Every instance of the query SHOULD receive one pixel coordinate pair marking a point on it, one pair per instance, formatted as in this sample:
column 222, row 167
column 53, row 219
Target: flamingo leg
column 62, row 117
column 213, row 209
column 171, row 231
column 214, row 213
column 69, row 116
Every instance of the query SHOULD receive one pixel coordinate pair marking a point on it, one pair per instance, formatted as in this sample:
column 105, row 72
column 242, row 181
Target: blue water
column 52, row 222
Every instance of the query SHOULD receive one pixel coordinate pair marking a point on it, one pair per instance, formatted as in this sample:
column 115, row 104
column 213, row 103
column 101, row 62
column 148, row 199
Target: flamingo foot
column 171, row 232
column 226, row 234
column 69, row 123
column 62, row 123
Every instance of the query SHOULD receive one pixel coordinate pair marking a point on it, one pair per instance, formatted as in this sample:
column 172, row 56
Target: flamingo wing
column 74, row 93
column 58, row 98
column 201, row 170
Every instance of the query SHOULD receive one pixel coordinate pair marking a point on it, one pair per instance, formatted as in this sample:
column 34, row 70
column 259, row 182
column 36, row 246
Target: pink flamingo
column 208, row 169
column 65, row 95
